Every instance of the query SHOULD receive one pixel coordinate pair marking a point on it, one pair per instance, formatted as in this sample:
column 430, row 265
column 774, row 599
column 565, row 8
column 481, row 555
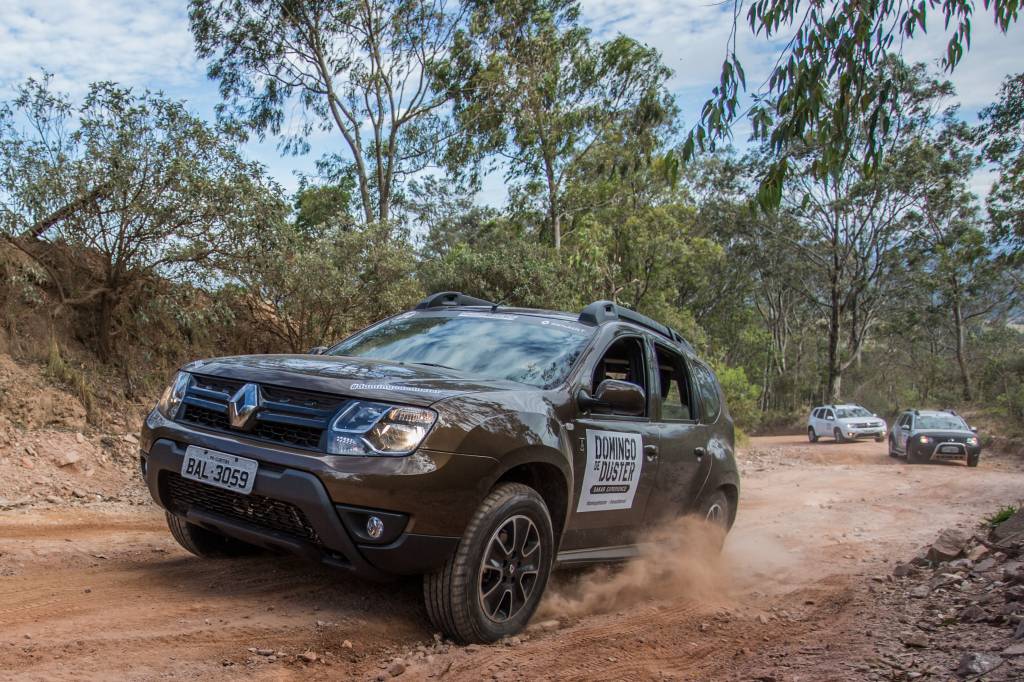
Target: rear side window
column 676, row 403
column 707, row 387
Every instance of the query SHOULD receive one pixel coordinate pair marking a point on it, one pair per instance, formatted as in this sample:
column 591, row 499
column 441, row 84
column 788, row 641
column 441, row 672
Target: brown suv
column 474, row 444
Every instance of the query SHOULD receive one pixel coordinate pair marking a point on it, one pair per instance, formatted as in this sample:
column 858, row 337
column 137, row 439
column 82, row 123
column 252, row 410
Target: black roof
column 593, row 315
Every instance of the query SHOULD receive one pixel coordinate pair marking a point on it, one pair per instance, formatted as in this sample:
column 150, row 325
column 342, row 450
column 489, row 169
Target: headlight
column 366, row 428
column 170, row 401
column 924, row 440
column 972, row 440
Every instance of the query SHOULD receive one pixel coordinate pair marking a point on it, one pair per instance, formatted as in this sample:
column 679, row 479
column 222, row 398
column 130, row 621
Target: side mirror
column 974, row 429
column 317, row 350
column 620, row 397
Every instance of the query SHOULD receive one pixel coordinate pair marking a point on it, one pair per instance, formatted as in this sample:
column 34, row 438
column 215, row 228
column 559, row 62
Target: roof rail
column 604, row 311
column 444, row 299
column 952, row 411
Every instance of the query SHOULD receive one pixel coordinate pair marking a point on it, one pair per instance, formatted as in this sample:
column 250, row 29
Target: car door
column 816, row 420
column 683, row 460
column 903, row 433
column 614, row 455
column 828, row 424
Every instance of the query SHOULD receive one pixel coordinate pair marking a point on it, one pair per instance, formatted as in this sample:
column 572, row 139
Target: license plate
column 220, row 469
column 952, row 449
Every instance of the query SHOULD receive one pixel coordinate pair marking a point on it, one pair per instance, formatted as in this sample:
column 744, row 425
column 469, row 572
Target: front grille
column 286, row 416
column 299, row 436
column 181, row 494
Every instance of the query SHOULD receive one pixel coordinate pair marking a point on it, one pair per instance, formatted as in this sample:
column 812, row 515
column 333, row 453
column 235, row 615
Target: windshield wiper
column 433, row 364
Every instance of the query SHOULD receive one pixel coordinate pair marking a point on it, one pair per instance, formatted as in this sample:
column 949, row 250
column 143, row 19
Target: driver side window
column 624, row 361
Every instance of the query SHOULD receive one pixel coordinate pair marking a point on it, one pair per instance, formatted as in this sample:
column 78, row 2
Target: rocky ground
column 844, row 564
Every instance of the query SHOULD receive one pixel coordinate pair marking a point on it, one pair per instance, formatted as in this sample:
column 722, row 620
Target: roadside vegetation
column 815, row 266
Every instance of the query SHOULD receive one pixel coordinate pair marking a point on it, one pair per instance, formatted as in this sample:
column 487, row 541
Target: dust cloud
column 679, row 559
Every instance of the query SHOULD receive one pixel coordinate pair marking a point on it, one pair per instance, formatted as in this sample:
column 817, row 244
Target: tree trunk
column 961, row 352
column 103, row 324
column 835, row 372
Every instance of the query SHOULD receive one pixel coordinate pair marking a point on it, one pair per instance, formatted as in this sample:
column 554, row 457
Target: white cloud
column 144, row 44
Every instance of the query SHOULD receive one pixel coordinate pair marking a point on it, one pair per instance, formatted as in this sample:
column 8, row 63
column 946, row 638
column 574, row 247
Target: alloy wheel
column 510, row 568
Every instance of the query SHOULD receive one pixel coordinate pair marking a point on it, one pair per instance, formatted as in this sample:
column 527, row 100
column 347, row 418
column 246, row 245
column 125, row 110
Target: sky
column 147, row 44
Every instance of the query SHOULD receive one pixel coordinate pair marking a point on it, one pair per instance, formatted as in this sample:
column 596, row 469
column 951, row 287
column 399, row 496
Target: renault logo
column 242, row 407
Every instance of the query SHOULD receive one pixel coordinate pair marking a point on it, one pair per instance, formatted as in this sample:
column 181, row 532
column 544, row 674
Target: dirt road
column 103, row 592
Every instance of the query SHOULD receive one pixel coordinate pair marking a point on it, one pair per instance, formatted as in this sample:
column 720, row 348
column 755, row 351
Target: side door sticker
column 614, row 462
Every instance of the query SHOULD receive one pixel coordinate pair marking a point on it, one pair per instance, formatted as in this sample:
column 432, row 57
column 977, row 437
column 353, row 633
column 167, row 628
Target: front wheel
column 811, row 435
column 206, row 543
column 493, row 583
column 879, row 438
column 972, row 460
column 838, row 435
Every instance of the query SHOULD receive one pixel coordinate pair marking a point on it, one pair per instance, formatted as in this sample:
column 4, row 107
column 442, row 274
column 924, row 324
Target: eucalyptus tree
column 1002, row 138
column 534, row 91
column 827, row 88
column 119, row 190
column 853, row 219
column 364, row 71
column 968, row 283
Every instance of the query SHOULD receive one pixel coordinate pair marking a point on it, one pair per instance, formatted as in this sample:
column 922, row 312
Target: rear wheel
column 491, row 586
column 892, row 447
column 206, row 543
column 715, row 508
column 811, row 435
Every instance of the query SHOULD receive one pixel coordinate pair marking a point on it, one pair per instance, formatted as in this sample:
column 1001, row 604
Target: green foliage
column 533, row 87
column 1003, row 514
column 1002, row 140
column 363, row 70
column 741, row 396
column 829, row 87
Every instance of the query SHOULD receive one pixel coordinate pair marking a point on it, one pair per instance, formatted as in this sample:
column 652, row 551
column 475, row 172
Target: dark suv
column 474, row 444
column 934, row 435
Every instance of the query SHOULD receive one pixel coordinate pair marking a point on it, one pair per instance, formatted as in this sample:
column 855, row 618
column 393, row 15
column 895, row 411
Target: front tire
column 204, row 543
column 972, row 460
column 811, row 435
column 838, row 435
column 493, row 583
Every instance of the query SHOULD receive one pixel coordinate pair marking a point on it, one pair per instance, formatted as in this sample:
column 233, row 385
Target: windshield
column 529, row 350
column 941, row 423
column 851, row 412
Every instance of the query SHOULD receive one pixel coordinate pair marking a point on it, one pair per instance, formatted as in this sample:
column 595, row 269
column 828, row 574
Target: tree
column 853, row 222
column 1002, row 139
column 119, row 190
column 535, row 90
column 827, row 87
column 967, row 282
column 307, row 289
column 365, row 70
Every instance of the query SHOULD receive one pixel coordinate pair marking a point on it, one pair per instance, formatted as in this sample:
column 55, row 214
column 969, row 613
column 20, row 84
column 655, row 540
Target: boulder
column 1010, row 528
column 948, row 546
column 975, row 663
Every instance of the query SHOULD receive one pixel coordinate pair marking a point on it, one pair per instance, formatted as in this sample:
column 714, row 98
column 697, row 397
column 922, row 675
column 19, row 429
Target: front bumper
column 315, row 505
column 944, row 452
column 875, row 432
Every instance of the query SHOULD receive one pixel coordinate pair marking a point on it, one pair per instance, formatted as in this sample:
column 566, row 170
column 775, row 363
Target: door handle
column 651, row 452
column 700, row 452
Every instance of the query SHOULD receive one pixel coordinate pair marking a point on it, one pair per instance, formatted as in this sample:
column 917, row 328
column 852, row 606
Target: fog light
column 374, row 527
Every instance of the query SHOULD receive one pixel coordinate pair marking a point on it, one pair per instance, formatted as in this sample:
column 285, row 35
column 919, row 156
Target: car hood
column 348, row 376
column 861, row 420
column 939, row 434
